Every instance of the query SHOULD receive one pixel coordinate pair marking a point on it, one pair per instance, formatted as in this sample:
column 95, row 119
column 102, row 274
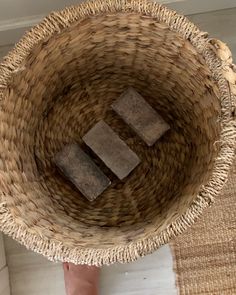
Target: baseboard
column 4, row 282
column 189, row 7
column 11, row 30
column 2, row 253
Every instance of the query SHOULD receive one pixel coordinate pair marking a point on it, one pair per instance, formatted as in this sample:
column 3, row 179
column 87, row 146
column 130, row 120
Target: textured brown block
column 111, row 149
column 77, row 166
column 140, row 116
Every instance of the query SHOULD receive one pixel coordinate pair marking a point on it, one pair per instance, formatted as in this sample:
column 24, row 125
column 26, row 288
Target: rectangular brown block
column 111, row 149
column 140, row 116
column 78, row 167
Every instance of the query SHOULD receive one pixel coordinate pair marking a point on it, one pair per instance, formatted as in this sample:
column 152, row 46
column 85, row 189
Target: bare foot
column 81, row 279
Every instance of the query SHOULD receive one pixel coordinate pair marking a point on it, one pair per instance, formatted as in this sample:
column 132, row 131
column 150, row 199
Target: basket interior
column 66, row 85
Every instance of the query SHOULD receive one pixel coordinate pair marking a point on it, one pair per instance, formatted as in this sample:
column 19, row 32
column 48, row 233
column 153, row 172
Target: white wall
column 11, row 9
column 201, row 6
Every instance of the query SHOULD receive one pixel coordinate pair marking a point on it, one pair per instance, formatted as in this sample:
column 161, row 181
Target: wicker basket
column 62, row 78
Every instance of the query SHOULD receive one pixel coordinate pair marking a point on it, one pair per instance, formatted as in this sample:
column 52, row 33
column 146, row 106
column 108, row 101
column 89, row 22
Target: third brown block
column 140, row 116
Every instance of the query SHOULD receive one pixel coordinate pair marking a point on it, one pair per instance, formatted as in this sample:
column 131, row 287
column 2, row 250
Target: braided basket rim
column 55, row 23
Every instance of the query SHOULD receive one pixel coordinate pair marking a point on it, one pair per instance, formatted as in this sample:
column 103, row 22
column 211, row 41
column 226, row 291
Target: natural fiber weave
column 62, row 78
column 205, row 256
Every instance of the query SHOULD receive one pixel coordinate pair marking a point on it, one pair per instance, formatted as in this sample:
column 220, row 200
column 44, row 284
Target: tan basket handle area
column 223, row 52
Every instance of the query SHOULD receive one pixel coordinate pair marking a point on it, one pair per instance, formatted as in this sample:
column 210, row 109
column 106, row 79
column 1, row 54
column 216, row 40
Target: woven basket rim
column 55, row 23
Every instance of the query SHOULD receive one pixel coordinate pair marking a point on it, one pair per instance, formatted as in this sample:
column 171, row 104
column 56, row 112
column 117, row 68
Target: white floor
column 31, row 274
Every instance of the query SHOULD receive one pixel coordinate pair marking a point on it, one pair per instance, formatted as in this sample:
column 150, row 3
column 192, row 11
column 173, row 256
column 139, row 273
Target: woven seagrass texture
column 205, row 256
column 62, row 78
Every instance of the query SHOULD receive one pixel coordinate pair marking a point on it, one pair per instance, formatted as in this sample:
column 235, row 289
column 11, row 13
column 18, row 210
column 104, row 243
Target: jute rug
column 205, row 256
